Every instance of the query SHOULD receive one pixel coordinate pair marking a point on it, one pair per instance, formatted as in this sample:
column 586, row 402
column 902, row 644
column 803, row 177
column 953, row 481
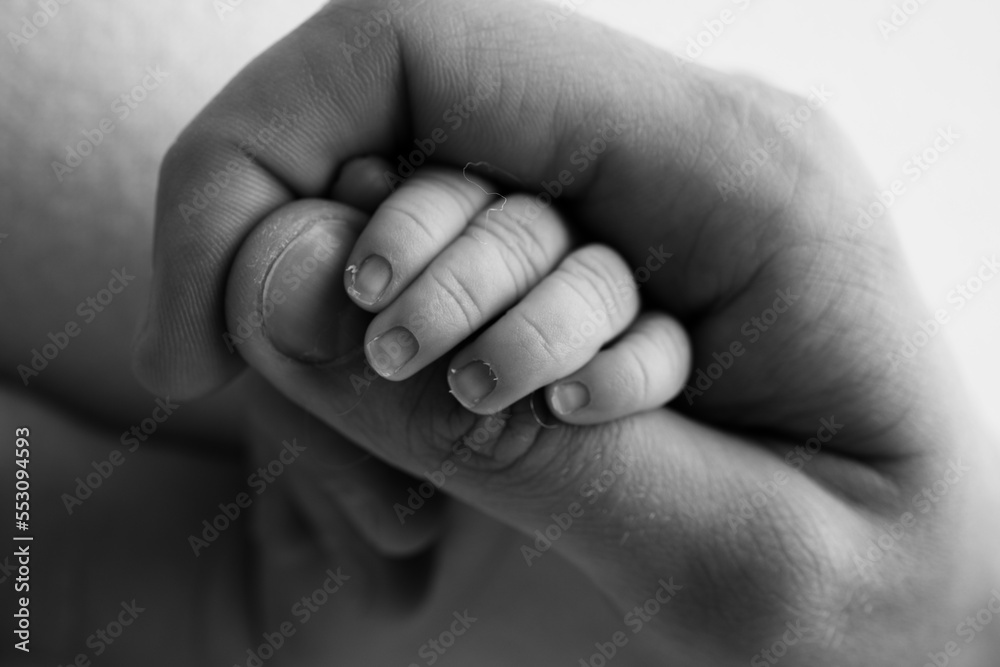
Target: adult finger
column 552, row 109
column 644, row 505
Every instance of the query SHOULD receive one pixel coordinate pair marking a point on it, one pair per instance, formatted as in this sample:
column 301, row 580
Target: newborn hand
column 795, row 399
column 440, row 261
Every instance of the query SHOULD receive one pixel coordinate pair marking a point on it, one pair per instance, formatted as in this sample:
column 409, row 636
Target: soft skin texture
column 500, row 273
column 129, row 540
column 845, row 304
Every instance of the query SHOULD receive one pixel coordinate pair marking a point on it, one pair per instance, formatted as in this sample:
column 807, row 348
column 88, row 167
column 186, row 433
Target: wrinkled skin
column 667, row 516
column 129, row 540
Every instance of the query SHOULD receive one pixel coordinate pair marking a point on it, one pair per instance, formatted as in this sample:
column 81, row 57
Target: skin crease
column 177, row 587
column 129, row 539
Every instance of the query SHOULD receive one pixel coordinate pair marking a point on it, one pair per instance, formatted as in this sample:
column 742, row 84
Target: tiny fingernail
column 569, row 397
column 391, row 351
column 472, row 383
column 368, row 282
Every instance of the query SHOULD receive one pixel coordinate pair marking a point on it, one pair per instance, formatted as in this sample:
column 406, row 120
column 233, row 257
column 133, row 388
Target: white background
column 891, row 95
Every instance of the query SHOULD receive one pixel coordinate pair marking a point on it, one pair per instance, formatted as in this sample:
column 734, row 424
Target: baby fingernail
column 390, row 351
column 472, row 383
column 368, row 282
column 570, row 397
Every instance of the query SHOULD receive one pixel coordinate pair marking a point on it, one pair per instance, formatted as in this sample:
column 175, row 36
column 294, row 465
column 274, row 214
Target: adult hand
column 799, row 397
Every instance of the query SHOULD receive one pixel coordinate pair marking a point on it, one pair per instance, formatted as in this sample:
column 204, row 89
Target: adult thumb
column 644, row 505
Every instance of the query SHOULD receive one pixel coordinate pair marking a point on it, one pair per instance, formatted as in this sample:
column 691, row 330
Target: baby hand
column 442, row 260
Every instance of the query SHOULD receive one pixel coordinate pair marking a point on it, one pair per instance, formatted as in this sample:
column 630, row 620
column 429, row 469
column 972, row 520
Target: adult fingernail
column 472, row 383
column 368, row 282
column 569, row 397
column 389, row 352
column 303, row 310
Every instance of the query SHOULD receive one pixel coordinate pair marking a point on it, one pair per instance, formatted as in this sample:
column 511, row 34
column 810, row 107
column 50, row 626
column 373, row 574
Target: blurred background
column 899, row 73
column 894, row 86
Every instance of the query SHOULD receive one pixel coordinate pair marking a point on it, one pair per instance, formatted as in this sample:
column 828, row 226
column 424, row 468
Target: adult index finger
column 580, row 113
